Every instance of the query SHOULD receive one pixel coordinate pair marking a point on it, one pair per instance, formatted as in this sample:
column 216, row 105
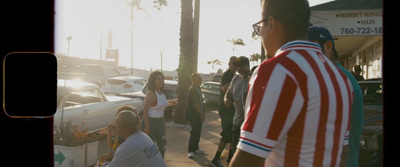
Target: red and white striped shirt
column 297, row 110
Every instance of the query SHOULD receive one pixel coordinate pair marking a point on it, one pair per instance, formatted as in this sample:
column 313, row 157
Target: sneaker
column 198, row 151
column 191, row 155
column 216, row 163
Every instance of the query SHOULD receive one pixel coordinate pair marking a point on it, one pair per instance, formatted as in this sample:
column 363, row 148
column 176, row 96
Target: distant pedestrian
column 324, row 38
column 137, row 149
column 357, row 73
column 225, row 113
column 298, row 103
column 154, row 105
column 195, row 115
column 245, row 94
column 236, row 94
column 113, row 140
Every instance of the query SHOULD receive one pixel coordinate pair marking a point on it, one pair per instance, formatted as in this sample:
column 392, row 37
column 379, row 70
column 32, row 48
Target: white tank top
column 157, row 111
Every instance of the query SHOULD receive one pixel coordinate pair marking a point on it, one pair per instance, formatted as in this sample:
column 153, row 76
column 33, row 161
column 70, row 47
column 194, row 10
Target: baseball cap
column 242, row 61
column 319, row 34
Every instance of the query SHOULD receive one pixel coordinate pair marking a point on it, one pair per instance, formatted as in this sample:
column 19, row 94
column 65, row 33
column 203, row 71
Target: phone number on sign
column 363, row 30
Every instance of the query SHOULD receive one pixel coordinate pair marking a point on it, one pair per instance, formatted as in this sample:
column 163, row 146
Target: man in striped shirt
column 298, row 103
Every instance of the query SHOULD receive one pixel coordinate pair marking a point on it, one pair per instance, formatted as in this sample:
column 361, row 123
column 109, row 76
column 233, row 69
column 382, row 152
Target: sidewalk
column 177, row 142
column 178, row 137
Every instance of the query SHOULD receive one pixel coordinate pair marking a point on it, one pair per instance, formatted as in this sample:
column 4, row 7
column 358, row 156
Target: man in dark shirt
column 195, row 115
column 225, row 113
column 357, row 73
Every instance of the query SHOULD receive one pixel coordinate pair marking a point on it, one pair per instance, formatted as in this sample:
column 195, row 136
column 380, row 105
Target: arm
column 225, row 87
column 106, row 156
column 150, row 98
column 228, row 100
column 195, row 98
column 110, row 128
column 242, row 158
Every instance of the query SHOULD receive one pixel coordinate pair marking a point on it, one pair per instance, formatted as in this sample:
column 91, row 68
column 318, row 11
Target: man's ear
column 328, row 45
column 271, row 22
column 274, row 25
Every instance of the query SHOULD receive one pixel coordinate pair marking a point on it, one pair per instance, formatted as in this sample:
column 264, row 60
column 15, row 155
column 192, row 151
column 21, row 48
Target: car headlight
column 369, row 143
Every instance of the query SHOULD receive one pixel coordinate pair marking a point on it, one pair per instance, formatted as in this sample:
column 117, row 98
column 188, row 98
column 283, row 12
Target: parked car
column 98, row 72
column 170, row 90
column 210, row 92
column 123, row 84
column 79, row 76
column 84, row 103
column 217, row 78
column 371, row 144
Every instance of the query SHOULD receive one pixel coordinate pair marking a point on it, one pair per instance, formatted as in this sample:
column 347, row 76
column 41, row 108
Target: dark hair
column 151, row 84
column 294, row 15
column 335, row 54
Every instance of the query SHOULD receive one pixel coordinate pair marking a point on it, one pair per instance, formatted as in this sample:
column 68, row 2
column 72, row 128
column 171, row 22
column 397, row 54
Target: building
column 356, row 26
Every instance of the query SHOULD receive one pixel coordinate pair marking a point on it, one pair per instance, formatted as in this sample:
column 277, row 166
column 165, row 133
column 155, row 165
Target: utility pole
column 101, row 44
column 132, row 4
column 161, row 62
column 196, row 21
column 69, row 39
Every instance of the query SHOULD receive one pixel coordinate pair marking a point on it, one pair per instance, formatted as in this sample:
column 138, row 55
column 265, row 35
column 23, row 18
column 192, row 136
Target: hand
column 147, row 131
column 105, row 157
column 203, row 117
column 110, row 127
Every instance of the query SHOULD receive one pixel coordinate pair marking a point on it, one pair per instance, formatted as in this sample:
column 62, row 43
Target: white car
column 84, row 104
column 124, row 84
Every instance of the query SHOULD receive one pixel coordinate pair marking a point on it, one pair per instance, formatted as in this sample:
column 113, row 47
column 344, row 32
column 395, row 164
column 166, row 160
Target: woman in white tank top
column 154, row 105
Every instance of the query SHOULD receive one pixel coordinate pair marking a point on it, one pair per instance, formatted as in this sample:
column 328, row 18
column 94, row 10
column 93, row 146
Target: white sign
column 349, row 22
column 112, row 53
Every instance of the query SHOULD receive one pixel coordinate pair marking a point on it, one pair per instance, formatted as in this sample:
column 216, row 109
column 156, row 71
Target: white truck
column 84, row 104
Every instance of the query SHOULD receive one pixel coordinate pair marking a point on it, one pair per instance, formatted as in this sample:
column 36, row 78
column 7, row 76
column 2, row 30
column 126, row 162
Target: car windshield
column 213, row 87
column 170, row 92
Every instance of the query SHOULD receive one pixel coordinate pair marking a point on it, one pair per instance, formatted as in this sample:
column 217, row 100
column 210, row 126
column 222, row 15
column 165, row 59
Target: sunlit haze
column 156, row 32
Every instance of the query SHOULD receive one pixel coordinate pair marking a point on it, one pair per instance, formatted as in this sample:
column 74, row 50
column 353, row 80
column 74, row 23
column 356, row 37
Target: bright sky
column 88, row 21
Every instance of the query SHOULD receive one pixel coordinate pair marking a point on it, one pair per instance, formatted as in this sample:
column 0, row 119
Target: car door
column 99, row 112
column 71, row 110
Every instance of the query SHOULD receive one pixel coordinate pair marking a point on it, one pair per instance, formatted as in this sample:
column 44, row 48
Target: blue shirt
column 356, row 122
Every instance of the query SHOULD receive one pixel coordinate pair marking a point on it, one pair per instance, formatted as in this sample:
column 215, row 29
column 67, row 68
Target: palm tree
column 159, row 3
column 185, row 58
column 236, row 42
column 133, row 4
column 136, row 3
column 213, row 62
column 255, row 57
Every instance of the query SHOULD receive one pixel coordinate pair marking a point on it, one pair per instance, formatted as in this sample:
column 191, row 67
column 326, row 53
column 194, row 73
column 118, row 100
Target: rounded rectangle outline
column 4, row 85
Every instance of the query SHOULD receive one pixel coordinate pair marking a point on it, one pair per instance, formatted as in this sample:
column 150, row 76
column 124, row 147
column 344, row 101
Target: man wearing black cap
column 237, row 91
column 350, row 153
